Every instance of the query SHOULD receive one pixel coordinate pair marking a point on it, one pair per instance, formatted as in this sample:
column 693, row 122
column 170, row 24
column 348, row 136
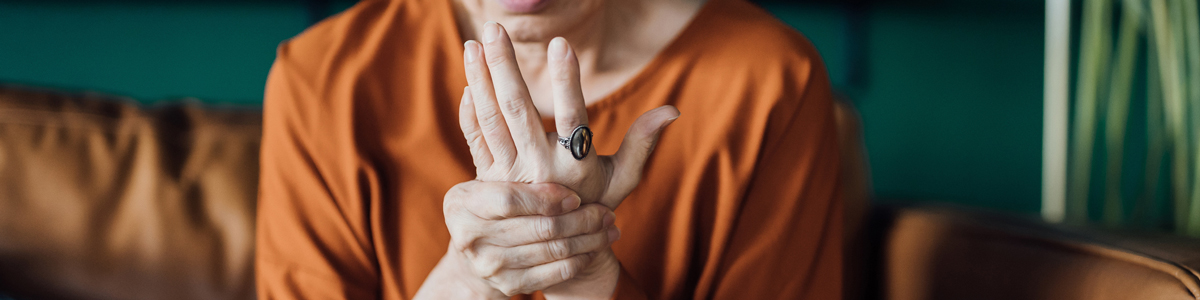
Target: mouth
column 523, row 6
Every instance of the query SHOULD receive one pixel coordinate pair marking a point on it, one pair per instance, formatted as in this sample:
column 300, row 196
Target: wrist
column 598, row 281
column 453, row 279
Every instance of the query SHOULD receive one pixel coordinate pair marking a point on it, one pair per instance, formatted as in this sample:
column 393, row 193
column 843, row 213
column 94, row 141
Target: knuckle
column 509, row 289
column 516, row 105
column 472, row 77
column 474, row 139
column 461, row 193
column 542, row 188
column 568, row 122
column 558, row 249
column 487, row 267
column 448, row 208
column 475, row 77
column 568, row 271
column 537, row 197
column 490, row 120
column 595, row 218
column 509, row 204
column 646, row 146
column 545, row 228
column 496, row 57
column 462, row 245
column 452, row 196
column 450, row 211
column 461, row 236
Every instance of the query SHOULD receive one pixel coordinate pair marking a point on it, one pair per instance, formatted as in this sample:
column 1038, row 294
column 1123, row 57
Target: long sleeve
column 312, row 220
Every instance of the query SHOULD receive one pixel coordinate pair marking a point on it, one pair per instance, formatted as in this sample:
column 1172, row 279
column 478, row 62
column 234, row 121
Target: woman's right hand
column 515, row 238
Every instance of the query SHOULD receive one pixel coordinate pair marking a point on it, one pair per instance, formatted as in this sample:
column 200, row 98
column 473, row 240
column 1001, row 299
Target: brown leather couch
column 103, row 199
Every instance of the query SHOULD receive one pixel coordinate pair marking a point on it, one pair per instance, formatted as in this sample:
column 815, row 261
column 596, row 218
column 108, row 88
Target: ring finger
column 570, row 110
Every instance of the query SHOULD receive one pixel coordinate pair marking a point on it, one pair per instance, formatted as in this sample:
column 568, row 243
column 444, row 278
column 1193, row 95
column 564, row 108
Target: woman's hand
column 515, row 238
column 507, row 141
column 504, row 129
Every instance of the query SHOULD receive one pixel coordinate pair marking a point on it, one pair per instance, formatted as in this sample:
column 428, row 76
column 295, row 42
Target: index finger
column 503, row 200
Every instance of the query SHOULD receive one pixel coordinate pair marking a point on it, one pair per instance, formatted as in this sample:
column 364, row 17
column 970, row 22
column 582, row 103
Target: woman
column 368, row 189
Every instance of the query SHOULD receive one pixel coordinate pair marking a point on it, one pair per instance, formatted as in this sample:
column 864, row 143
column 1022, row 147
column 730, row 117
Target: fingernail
column 669, row 121
column 490, row 31
column 466, row 95
column 472, row 51
column 558, row 48
column 609, row 218
column 571, row 203
column 613, row 234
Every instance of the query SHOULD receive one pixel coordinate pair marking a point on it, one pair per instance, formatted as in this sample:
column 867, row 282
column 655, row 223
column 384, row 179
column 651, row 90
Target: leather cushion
column 103, row 199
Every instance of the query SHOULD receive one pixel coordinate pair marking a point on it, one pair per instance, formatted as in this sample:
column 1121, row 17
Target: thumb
column 639, row 142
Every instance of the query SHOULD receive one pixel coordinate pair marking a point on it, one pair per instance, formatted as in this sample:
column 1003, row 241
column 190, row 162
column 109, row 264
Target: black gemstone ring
column 579, row 142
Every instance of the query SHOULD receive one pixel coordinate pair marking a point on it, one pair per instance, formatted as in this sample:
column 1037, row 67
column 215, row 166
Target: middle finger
column 525, row 230
column 487, row 113
column 524, row 122
column 530, row 255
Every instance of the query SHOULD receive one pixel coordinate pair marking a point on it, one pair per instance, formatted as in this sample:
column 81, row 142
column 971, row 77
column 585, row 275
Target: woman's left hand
column 504, row 129
column 508, row 143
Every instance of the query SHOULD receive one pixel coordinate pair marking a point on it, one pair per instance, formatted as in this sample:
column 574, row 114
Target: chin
column 530, row 29
column 540, row 20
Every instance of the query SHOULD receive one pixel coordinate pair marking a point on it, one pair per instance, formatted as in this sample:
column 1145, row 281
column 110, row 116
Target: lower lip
column 523, row 6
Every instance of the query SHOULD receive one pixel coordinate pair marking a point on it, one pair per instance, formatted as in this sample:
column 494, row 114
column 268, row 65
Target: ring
column 579, row 142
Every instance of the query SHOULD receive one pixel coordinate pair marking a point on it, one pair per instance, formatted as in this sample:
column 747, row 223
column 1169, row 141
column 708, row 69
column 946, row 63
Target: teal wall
column 950, row 97
column 147, row 50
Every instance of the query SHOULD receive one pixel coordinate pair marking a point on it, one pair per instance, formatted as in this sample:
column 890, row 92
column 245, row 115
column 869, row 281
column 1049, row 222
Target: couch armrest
column 953, row 253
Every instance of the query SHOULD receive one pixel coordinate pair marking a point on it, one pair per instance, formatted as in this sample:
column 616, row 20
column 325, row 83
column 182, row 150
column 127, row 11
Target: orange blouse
column 361, row 142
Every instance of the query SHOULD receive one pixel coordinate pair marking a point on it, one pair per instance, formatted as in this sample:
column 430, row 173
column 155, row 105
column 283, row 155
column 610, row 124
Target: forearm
column 598, row 282
column 451, row 279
